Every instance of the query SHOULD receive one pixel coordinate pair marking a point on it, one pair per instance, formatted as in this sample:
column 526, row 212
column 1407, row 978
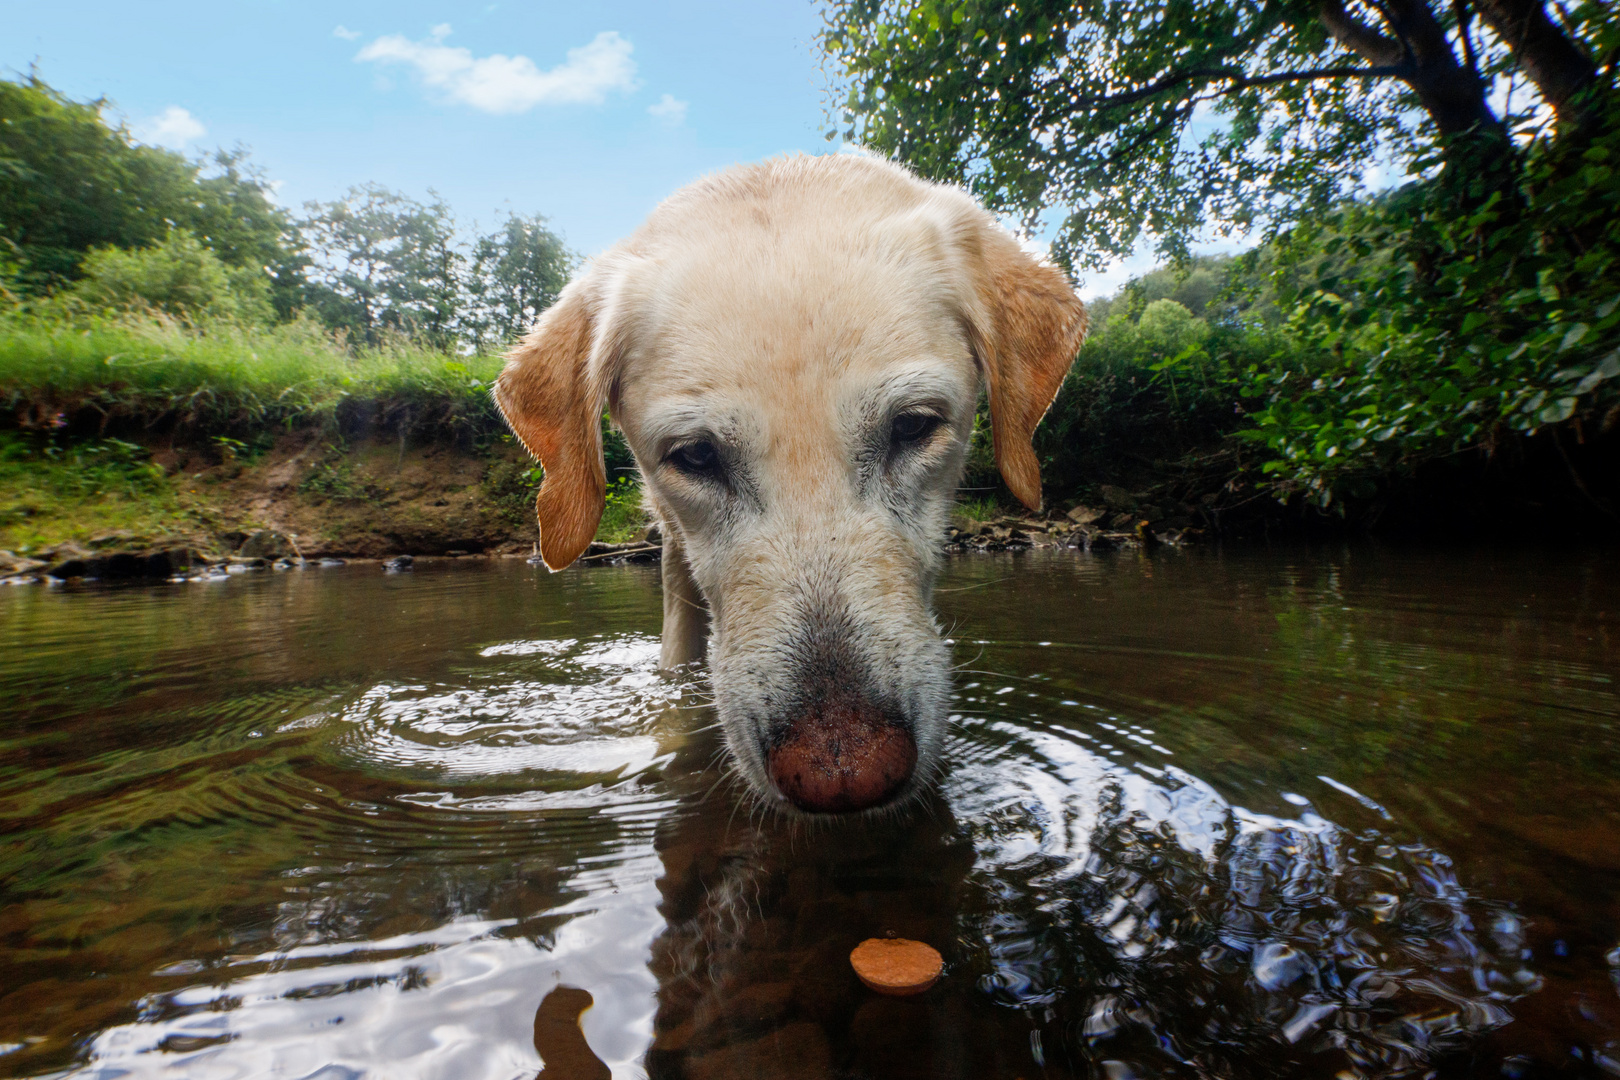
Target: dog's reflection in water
column 1286, row 948
column 753, row 968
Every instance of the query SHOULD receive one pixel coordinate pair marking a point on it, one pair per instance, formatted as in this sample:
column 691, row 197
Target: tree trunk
column 1453, row 96
column 1555, row 64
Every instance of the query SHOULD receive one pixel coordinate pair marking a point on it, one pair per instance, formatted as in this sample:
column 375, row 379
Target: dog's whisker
column 963, row 668
column 739, row 804
column 721, row 779
column 976, row 585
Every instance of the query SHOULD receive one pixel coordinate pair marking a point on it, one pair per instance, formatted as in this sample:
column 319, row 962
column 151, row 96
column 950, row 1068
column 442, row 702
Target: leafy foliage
column 69, row 184
column 178, row 276
column 622, row 516
column 1199, row 285
column 1143, row 405
column 381, row 262
column 1444, row 331
column 1369, row 335
column 384, row 263
column 1125, row 116
column 79, row 199
column 515, row 273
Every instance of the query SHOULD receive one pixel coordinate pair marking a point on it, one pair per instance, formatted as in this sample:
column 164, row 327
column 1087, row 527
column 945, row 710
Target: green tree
column 70, row 183
column 1200, row 285
column 1169, row 328
column 1125, row 116
column 384, row 262
column 516, row 273
column 235, row 219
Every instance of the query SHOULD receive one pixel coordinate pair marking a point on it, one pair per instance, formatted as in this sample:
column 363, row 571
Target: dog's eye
column 913, row 427
column 695, row 458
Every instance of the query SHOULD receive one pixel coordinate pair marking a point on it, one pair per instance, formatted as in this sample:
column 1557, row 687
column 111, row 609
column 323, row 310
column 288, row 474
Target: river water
column 1314, row 813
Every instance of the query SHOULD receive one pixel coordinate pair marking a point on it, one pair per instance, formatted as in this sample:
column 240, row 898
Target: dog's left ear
column 551, row 393
column 1026, row 324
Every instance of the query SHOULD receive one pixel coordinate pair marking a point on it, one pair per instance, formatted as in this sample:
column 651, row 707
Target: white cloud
column 510, row 84
column 669, row 110
column 345, row 33
column 173, row 128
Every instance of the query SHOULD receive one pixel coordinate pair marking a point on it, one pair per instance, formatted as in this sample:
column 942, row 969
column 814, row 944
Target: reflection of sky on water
column 1183, row 928
column 457, row 1001
column 493, row 724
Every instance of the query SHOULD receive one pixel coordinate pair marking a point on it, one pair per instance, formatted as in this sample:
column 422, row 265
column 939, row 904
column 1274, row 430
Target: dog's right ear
column 552, row 396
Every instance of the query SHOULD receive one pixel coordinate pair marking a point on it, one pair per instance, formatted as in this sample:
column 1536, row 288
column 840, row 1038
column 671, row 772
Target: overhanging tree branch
column 1453, row 96
column 1558, row 67
column 1237, row 80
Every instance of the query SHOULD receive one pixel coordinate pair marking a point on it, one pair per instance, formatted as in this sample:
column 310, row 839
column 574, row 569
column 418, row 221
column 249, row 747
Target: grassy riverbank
column 160, row 431
column 222, row 377
column 155, row 430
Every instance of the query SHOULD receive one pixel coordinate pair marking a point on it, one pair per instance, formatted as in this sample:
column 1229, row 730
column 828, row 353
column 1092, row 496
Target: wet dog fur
column 794, row 351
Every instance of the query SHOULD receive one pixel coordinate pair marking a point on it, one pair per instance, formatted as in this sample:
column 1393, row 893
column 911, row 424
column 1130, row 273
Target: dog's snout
column 842, row 757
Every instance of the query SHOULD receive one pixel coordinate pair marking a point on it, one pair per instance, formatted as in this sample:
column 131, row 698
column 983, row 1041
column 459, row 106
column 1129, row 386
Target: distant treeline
column 90, row 217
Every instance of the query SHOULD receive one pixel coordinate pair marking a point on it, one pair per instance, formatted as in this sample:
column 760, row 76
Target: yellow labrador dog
column 794, row 351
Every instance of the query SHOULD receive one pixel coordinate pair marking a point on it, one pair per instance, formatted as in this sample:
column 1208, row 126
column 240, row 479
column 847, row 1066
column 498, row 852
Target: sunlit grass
column 223, row 374
column 979, row 509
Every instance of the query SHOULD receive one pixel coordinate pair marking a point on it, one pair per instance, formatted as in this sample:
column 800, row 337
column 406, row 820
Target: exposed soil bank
column 169, row 504
column 304, row 495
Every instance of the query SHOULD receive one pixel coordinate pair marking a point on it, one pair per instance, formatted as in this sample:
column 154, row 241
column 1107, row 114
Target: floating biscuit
column 895, row 966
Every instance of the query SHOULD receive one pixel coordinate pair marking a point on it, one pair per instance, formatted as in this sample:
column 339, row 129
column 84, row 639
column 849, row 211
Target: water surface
column 1253, row 814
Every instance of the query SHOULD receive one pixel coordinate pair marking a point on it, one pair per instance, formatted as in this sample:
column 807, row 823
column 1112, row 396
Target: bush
column 623, row 516
column 179, row 277
column 1433, row 332
column 1155, row 397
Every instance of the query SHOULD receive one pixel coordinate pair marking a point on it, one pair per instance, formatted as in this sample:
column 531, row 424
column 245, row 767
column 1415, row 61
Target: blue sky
column 587, row 113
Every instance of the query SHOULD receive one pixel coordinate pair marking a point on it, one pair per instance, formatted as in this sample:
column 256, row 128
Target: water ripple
column 1167, row 924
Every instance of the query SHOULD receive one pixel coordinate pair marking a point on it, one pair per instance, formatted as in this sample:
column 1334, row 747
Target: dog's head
column 794, row 352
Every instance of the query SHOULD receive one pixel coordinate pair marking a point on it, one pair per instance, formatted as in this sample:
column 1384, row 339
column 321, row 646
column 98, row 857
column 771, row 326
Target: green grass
column 622, row 517
column 227, row 378
column 979, row 509
column 85, row 490
column 232, row 387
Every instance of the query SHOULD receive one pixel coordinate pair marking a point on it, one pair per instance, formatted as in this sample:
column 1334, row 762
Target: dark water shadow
column 560, row 1042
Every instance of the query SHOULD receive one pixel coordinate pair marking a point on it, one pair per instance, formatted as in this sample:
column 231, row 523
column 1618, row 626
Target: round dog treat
column 895, row 966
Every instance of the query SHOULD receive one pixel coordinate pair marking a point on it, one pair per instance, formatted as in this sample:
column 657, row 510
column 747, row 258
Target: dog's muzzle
column 841, row 756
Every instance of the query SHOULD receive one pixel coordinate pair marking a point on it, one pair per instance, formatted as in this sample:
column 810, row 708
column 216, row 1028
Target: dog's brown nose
column 842, row 758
